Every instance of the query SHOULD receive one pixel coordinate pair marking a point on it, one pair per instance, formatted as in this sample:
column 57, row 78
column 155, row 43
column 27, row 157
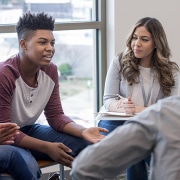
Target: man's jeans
column 41, row 132
column 47, row 133
column 19, row 163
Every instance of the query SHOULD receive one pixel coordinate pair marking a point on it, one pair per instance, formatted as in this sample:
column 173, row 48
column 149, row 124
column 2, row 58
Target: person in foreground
column 155, row 130
column 142, row 74
column 11, row 157
column 28, row 85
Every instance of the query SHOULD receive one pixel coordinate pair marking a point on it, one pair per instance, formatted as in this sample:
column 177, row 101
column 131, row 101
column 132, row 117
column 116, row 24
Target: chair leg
column 61, row 172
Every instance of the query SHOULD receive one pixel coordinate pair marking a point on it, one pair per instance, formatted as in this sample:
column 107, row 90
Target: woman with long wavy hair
column 138, row 77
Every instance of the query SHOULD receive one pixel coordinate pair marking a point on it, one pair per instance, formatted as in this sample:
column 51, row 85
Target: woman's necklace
column 146, row 99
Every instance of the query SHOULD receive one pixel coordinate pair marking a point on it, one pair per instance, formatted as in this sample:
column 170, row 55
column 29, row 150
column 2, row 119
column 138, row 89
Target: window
column 80, row 31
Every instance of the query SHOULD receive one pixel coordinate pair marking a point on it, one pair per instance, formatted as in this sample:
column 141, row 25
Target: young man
column 28, row 85
column 12, row 157
column 156, row 130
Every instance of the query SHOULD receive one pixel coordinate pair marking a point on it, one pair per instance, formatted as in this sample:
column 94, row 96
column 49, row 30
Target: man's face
column 40, row 47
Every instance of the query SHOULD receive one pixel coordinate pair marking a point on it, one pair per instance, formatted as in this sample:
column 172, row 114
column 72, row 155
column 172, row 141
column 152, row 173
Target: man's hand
column 7, row 132
column 93, row 134
column 60, row 153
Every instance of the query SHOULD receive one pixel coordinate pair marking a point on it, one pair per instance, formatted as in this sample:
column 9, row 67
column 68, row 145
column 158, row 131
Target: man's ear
column 22, row 44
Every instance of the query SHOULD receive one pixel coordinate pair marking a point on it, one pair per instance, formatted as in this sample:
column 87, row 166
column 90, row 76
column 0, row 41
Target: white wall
column 123, row 14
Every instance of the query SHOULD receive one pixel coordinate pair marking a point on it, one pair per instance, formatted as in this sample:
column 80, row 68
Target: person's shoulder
column 119, row 55
column 175, row 69
column 9, row 71
column 52, row 64
column 117, row 58
column 50, row 67
column 9, row 65
column 174, row 66
column 50, row 70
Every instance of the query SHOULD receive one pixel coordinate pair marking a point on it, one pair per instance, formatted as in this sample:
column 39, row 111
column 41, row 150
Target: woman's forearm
column 115, row 107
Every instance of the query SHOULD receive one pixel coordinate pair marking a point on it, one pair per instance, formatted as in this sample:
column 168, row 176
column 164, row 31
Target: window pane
column 9, row 45
column 74, row 57
column 61, row 10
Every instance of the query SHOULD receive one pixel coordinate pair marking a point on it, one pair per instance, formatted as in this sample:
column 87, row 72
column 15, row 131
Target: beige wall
column 122, row 14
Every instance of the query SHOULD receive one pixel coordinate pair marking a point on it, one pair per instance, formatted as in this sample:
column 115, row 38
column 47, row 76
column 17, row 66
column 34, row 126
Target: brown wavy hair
column 160, row 59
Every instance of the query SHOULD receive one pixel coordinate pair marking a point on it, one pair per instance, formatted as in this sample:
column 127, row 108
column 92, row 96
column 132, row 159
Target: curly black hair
column 31, row 22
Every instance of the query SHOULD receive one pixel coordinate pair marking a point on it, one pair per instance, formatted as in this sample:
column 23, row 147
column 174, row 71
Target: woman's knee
column 110, row 125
